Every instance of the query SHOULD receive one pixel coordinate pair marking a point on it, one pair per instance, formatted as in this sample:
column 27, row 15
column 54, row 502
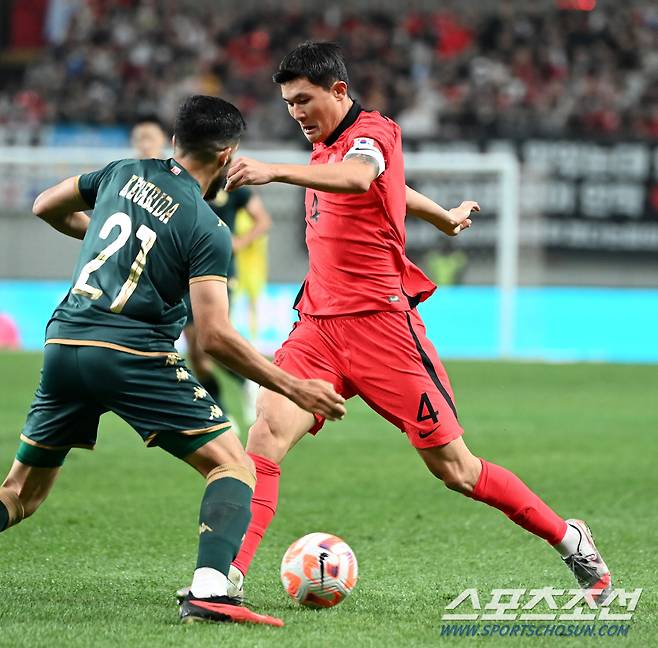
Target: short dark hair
column 321, row 63
column 206, row 125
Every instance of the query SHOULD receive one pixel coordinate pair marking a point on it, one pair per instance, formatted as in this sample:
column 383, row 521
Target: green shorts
column 155, row 393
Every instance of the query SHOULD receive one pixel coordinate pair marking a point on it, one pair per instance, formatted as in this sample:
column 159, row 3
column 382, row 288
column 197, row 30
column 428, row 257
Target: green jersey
column 150, row 235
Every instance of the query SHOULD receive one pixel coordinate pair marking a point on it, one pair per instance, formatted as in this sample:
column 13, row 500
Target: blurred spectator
column 505, row 69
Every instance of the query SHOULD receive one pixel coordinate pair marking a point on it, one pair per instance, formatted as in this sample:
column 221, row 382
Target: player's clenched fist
column 246, row 171
column 319, row 397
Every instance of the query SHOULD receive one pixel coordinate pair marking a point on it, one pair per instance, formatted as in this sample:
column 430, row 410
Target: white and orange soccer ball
column 319, row 570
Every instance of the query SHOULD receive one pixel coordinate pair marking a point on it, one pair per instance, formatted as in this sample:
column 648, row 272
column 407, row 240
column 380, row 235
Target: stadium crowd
column 460, row 72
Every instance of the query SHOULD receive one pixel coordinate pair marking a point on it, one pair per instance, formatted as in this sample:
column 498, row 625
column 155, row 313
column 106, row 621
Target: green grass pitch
column 99, row 562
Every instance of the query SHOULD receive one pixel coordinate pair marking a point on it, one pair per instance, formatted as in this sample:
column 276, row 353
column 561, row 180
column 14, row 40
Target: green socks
column 224, row 516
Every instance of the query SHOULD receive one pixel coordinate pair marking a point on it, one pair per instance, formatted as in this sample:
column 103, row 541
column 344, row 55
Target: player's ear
column 173, row 142
column 339, row 90
column 224, row 157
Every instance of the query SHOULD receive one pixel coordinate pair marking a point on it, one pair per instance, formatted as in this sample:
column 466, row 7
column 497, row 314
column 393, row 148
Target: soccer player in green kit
column 149, row 138
column 110, row 342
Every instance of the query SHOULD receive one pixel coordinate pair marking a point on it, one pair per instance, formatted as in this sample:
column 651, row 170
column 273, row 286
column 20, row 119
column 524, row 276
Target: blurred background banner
column 547, row 115
column 552, row 324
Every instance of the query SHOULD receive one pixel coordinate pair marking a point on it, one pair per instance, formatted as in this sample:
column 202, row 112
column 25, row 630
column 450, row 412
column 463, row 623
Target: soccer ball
column 319, row 570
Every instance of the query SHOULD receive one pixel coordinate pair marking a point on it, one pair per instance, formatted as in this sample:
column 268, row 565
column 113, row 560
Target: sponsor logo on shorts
column 424, row 435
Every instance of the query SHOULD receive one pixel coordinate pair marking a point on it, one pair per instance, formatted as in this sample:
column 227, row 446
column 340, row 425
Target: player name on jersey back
column 147, row 195
column 136, row 262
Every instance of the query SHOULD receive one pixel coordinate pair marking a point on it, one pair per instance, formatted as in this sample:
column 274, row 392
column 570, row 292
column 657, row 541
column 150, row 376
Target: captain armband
column 364, row 146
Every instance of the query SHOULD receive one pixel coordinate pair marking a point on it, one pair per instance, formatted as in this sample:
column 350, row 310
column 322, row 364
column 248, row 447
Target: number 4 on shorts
column 426, row 410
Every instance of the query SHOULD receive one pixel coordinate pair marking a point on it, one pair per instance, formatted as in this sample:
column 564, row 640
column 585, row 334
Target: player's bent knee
column 454, row 465
column 224, row 449
column 14, row 505
column 458, row 483
column 279, row 425
column 458, row 476
column 30, row 507
column 25, row 504
column 264, row 441
column 30, row 485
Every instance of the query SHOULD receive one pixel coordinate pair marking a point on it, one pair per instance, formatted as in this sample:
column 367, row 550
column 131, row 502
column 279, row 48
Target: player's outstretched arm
column 449, row 221
column 262, row 223
column 217, row 337
column 351, row 176
column 61, row 206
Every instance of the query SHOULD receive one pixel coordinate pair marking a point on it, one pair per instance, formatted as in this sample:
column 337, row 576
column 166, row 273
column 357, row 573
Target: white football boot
column 588, row 567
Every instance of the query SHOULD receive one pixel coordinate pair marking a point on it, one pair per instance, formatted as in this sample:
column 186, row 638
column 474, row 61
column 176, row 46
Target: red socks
column 263, row 508
column 502, row 489
column 497, row 487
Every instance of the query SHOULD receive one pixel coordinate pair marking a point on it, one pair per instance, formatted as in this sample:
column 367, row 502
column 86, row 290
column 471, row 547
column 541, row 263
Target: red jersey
column 356, row 242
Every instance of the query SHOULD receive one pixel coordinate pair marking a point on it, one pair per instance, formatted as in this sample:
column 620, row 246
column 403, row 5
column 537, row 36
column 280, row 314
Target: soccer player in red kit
column 358, row 326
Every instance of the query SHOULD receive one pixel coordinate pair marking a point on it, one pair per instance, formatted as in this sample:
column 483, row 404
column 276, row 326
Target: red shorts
column 387, row 360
